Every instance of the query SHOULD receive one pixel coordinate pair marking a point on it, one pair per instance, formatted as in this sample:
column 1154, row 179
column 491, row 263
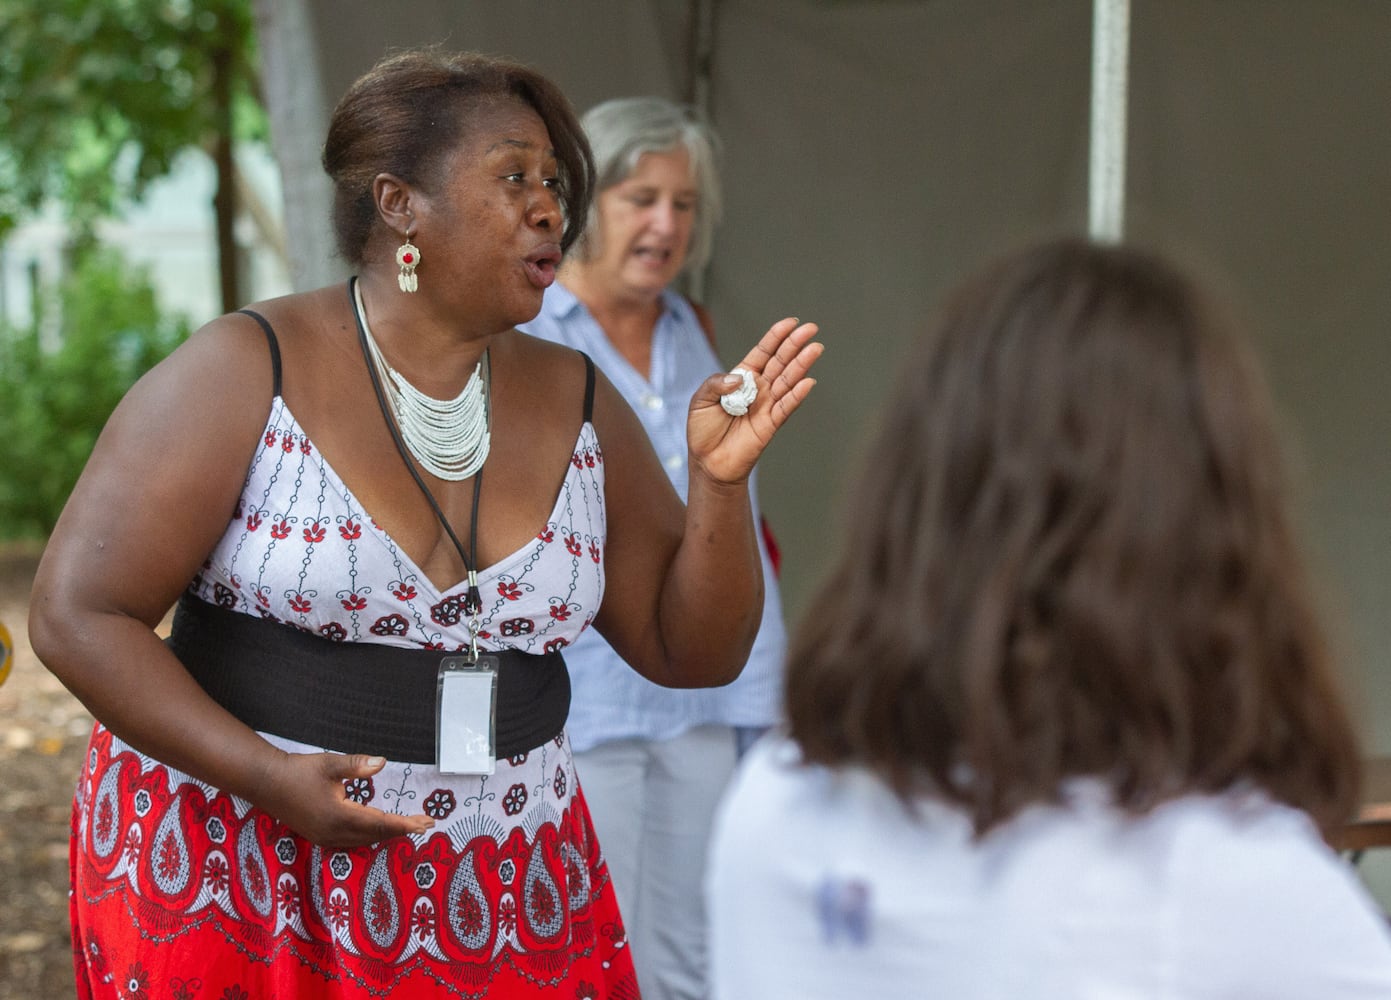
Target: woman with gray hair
column 654, row 761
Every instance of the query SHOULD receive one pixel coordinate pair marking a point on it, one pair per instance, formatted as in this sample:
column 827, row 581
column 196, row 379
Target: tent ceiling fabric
column 876, row 150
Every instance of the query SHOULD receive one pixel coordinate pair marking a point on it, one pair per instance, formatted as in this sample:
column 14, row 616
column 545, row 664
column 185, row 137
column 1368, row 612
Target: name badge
column 466, row 721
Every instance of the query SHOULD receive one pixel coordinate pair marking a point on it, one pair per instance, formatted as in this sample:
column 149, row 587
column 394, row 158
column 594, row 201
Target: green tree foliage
column 98, row 97
column 54, row 404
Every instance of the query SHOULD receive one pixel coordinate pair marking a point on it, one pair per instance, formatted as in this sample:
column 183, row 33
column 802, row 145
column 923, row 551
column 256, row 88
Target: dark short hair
column 406, row 114
column 1071, row 555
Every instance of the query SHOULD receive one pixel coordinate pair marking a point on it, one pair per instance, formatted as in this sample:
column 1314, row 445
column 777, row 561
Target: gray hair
column 620, row 131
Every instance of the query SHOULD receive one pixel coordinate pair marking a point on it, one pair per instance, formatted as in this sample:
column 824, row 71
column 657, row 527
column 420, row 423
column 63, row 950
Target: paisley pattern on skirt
column 175, row 883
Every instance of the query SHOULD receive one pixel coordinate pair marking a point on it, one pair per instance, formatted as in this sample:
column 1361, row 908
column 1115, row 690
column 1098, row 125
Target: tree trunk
column 225, row 197
column 299, row 115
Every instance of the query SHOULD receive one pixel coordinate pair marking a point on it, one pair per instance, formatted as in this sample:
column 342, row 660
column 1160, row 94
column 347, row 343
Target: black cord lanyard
column 473, row 601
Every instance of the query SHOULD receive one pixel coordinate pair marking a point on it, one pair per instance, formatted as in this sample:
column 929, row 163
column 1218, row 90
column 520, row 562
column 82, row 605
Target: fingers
column 765, row 351
column 784, row 355
column 384, row 825
column 381, row 824
column 781, row 361
column 799, row 340
column 362, row 825
column 787, row 404
column 792, row 370
column 324, row 811
column 355, row 765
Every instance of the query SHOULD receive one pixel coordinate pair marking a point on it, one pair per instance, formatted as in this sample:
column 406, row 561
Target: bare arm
column 685, row 590
column 157, row 493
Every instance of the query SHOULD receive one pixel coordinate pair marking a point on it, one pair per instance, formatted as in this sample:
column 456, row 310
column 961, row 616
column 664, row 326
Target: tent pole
column 701, row 15
column 1110, row 85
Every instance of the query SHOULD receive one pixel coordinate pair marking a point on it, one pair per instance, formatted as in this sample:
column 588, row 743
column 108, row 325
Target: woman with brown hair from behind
column 1062, row 720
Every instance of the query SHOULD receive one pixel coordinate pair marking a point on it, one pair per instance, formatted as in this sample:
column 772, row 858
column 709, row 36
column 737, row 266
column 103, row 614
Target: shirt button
column 674, row 461
column 652, row 401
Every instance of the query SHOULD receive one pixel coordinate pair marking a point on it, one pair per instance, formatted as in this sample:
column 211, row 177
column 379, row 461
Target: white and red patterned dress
column 184, row 891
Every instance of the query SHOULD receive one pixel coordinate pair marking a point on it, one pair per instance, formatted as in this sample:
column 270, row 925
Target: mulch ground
column 43, row 733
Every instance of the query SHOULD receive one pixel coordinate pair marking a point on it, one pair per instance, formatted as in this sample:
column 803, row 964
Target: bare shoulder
column 220, row 383
column 164, row 477
column 560, row 373
column 298, row 312
column 231, row 360
column 550, row 377
column 547, row 356
column 223, row 361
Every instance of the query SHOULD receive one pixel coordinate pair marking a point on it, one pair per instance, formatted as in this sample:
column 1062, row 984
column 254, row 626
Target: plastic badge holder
column 466, row 726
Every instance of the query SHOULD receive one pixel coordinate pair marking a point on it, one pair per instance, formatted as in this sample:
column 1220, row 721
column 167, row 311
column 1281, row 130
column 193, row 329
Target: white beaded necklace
column 448, row 437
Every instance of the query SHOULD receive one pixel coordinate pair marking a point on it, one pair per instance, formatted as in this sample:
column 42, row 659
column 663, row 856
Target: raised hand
column 727, row 447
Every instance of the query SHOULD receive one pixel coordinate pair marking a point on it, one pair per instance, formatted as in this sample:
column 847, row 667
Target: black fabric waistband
column 353, row 697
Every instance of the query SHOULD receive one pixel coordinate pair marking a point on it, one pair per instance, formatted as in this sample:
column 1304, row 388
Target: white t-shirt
column 822, row 884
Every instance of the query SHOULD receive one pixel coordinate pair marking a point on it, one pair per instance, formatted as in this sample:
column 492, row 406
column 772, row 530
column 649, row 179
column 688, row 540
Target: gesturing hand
column 726, row 447
column 305, row 792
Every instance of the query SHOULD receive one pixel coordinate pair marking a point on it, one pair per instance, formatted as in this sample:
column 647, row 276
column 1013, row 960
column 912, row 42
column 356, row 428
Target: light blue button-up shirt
column 610, row 700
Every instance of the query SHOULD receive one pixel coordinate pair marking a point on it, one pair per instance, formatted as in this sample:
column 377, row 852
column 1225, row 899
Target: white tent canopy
column 875, row 150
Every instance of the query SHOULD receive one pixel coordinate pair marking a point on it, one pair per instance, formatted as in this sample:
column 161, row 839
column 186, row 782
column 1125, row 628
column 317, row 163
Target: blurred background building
column 171, row 232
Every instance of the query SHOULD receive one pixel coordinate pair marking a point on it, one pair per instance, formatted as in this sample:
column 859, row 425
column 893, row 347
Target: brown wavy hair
column 406, row 114
column 1070, row 554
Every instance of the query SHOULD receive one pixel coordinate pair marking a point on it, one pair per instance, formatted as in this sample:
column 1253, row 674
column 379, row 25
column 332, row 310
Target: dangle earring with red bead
column 408, row 258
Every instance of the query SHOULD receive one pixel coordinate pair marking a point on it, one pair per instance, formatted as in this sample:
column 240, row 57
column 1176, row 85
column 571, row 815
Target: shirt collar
column 559, row 302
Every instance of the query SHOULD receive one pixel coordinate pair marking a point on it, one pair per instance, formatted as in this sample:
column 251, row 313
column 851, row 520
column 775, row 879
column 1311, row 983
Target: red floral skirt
column 182, row 891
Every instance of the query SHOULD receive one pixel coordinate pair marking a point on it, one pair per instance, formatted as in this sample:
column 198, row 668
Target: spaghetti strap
column 274, row 346
column 588, row 387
